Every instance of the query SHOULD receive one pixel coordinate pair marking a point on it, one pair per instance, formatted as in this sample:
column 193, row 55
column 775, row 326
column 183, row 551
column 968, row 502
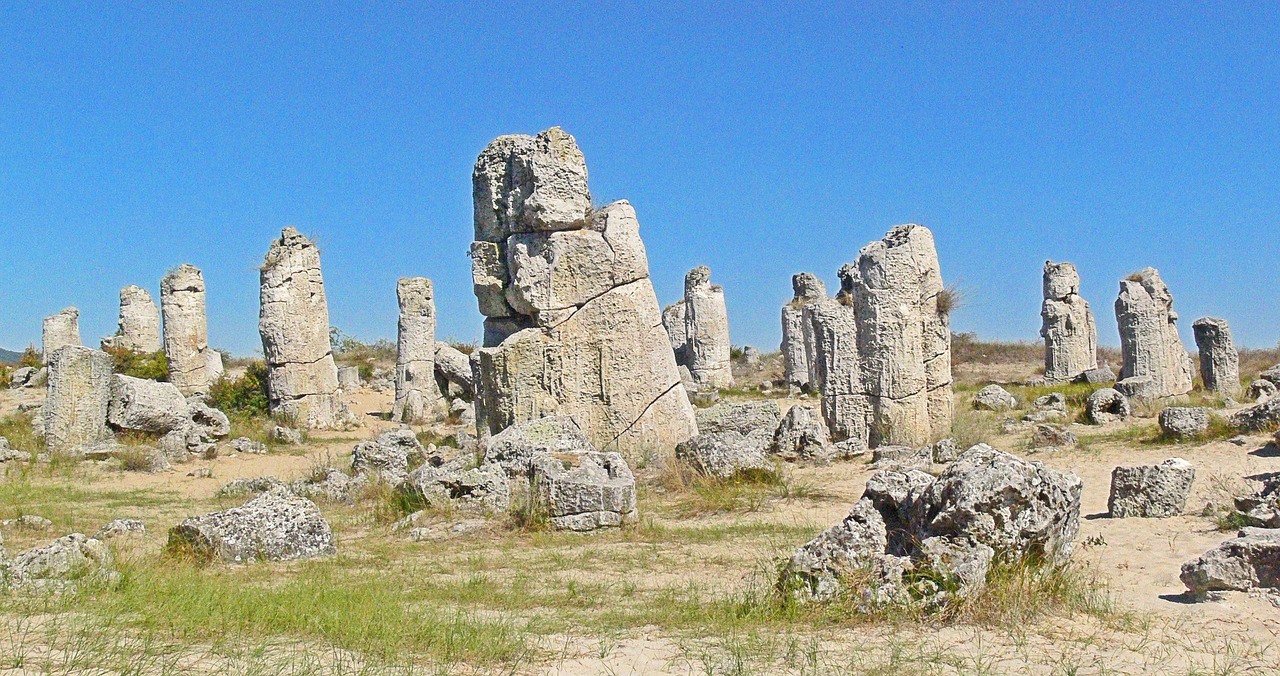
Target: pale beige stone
column 186, row 329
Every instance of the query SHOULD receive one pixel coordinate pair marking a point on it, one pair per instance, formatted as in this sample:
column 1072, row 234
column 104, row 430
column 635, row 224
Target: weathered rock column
column 904, row 338
column 797, row 335
column 78, row 394
column 834, row 369
column 1069, row 332
column 1219, row 360
column 706, row 324
column 302, row 379
column 139, row 322
column 573, row 325
column 1149, row 342
column 418, row 397
column 60, row 330
column 186, row 329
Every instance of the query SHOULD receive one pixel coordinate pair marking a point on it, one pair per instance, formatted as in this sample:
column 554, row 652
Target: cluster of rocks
column 698, row 328
column 59, row 566
column 735, row 438
column 573, row 325
column 185, row 426
column 913, row 537
column 28, row 376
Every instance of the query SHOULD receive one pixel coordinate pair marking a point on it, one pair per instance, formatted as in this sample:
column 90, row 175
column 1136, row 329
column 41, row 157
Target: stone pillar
column 904, row 337
column 60, row 330
column 139, row 322
column 418, row 398
column 186, row 329
column 1219, row 360
column 78, row 394
column 573, row 325
column 1155, row 362
column 1069, row 332
column 834, row 368
column 302, row 379
column 797, row 335
column 706, row 324
column 673, row 318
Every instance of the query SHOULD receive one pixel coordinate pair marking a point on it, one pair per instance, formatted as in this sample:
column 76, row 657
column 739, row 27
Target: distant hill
column 9, row 356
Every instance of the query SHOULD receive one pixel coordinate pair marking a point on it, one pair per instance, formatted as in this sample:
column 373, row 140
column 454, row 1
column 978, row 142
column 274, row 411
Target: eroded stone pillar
column 60, row 330
column 1219, row 360
column 797, row 335
column 418, row 398
column 139, row 325
column 706, row 330
column 1069, row 332
column 186, row 329
column 302, row 379
column 78, row 395
column 1155, row 362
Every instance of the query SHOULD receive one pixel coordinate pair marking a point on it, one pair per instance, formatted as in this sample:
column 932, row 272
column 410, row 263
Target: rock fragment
column 1069, row 332
column 584, row 491
column 1183, row 422
column 994, row 398
column 1245, row 562
column 1106, row 405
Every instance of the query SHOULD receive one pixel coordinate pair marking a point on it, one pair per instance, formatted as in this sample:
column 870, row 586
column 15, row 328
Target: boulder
column 62, row 562
column 481, row 489
column 1049, row 435
column 514, row 448
column 349, row 378
column 1183, row 422
column 1259, row 418
column 1261, row 390
column 287, row 435
column 902, row 458
column 1054, row 401
column 1102, row 375
column 1155, row 491
column 945, row 451
column 453, row 368
column 21, row 376
column 1249, row 561
column 146, row 405
column 853, row 548
column 329, row 484
column 802, row 435
column 994, row 398
column 1106, row 405
column 727, row 454
column 275, row 526
column 386, row 457
column 746, row 418
column 584, row 491
column 120, row 528
column 1262, row 508
column 247, row 445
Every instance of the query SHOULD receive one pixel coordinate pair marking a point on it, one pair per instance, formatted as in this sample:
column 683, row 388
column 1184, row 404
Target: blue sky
column 757, row 140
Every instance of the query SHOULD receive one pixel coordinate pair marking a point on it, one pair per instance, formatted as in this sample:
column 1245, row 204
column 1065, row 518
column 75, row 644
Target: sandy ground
column 1139, row 559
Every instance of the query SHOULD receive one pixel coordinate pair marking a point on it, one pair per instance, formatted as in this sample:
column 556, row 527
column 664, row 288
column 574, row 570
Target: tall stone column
column 1069, row 332
column 60, row 330
column 418, row 398
column 834, row 367
column 707, row 330
column 1219, row 360
column 302, row 379
column 904, row 339
column 78, row 394
column 1156, row 365
column 186, row 328
column 797, row 335
column 139, row 322
column 673, row 318
column 573, row 325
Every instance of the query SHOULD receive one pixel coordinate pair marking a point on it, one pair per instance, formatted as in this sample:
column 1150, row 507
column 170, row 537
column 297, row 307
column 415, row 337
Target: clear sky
column 757, row 140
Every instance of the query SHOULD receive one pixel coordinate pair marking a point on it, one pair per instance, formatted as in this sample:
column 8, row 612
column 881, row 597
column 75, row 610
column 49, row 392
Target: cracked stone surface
column 573, row 324
column 79, row 393
column 186, row 328
column 302, row 379
column 418, row 397
column 1149, row 342
column 706, row 322
column 797, row 334
column 1069, row 332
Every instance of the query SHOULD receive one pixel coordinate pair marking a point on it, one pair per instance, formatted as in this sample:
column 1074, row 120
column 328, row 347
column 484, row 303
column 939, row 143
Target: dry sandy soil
column 677, row 593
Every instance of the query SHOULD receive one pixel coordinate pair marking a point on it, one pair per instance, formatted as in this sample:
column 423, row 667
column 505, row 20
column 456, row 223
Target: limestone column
column 1219, row 360
column 186, row 329
column 302, row 378
column 797, row 339
column 418, row 398
column 60, row 330
column 1068, row 328
column 1155, row 362
column 139, row 322
column 707, row 330
column 78, row 394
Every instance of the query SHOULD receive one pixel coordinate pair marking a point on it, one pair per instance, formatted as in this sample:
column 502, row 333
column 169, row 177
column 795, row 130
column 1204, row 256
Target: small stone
column 1261, row 390
column 120, row 528
column 1106, row 406
column 1048, row 435
column 28, row 522
column 287, row 435
column 1239, row 564
column 201, row 473
column 247, row 445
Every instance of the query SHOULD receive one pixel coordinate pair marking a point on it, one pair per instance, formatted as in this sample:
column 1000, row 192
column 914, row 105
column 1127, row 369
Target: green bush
column 30, row 357
column 150, row 366
column 246, row 395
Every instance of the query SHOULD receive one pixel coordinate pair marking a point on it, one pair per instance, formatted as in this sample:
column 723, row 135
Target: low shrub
column 149, row 366
column 246, row 395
